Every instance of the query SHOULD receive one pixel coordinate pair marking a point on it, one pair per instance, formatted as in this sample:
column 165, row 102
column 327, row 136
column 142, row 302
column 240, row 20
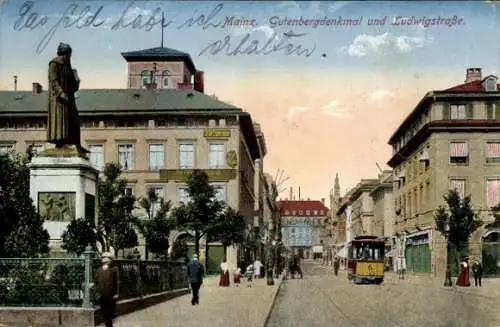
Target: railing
column 69, row 282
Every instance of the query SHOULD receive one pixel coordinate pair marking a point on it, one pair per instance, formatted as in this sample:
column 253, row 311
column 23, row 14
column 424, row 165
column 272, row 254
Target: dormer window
column 164, row 78
column 490, row 84
column 145, row 75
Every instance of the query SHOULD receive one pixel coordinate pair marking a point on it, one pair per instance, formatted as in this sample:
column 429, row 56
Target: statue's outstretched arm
column 54, row 85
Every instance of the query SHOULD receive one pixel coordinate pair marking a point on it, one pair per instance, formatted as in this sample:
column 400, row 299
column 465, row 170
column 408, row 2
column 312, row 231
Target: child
column 249, row 273
column 237, row 277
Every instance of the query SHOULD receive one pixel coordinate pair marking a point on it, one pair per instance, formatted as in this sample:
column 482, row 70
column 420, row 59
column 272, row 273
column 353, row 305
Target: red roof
column 470, row 87
column 304, row 208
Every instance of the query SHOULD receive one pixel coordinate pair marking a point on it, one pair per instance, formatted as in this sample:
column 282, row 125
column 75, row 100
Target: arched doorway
column 491, row 253
column 183, row 246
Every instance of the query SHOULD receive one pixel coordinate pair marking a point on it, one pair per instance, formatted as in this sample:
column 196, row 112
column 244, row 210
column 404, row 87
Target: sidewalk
column 219, row 306
column 490, row 286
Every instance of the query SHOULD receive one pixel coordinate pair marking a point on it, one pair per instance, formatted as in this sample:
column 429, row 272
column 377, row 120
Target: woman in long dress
column 464, row 278
column 224, row 275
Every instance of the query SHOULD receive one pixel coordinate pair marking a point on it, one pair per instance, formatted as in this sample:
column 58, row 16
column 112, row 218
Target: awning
column 342, row 253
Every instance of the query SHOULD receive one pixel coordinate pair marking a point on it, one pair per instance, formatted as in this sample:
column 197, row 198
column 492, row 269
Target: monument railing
column 69, row 282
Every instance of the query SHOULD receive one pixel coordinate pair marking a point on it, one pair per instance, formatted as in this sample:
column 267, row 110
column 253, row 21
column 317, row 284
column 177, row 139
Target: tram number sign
column 371, row 271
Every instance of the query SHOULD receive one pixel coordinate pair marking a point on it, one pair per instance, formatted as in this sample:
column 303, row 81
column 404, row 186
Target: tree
column 157, row 226
column 200, row 214
column 456, row 222
column 229, row 228
column 79, row 233
column 115, row 217
column 22, row 233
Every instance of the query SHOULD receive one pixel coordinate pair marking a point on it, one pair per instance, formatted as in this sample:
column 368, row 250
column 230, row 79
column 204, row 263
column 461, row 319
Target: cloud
column 267, row 30
column 364, row 45
column 335, row 109
column 380, row 94
column 296, row 110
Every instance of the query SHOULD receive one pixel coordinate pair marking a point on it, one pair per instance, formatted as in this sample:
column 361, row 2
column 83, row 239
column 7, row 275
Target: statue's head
column 64, row 49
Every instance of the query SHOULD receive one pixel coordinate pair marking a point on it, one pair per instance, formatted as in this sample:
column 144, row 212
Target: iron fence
column 69, row 282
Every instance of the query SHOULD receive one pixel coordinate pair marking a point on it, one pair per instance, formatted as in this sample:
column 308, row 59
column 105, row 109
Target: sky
column 328, row 97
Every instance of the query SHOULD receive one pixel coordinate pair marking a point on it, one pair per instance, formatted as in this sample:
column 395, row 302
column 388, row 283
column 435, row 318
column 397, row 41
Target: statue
column 63, row 126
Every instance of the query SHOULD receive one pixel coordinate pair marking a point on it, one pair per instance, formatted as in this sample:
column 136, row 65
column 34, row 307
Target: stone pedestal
column 63, row 188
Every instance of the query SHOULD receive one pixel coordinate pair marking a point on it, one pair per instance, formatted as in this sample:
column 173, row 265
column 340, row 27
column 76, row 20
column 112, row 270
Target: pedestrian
column 296, row 263
column 107, row 286
column 195, row 274
column 249, row 273
column 464, row 278
column 237, row 277
column 336, row 265
column 477, row 271
column 224, row 275
column 257, row 268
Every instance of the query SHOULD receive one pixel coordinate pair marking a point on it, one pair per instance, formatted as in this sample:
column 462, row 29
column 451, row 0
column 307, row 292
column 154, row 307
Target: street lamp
column 447, row 278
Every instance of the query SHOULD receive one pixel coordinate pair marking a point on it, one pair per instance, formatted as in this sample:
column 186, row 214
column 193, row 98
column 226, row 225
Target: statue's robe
column 63, row 126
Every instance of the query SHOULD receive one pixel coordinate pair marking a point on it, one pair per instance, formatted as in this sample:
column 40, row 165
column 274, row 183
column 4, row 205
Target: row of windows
column 156, row 156
column 301, row 212
column 412, row 202
column 182, row 195
column 151, row 77
column 451, row 111
column 126, row 123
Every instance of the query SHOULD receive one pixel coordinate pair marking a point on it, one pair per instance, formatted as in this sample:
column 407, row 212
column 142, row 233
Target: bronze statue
column 63, row 126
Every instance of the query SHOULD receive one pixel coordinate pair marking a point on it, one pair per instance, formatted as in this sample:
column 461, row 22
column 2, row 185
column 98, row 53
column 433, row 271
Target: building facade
column 158, row 130
column 383, row 214
column 303, row 226
column 451, row 140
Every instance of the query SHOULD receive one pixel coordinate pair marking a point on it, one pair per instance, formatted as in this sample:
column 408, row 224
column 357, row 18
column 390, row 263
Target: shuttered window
column 458, row 111
column 459, row 153
column 493, row 152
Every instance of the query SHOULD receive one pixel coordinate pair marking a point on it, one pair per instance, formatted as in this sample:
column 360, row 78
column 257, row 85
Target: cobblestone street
column 219, row 306
column 321, row 299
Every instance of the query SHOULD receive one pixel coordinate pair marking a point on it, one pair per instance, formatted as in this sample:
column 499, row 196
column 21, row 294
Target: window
column 460, row 111
column 321, row 212
column 301, row 212
column 6, row 148
column 160, row 193
column 308, row 212
column 144, row 78
column 129, row 190
column 220, row 192
column 125, row 156
column 156, row 156
column 459, row 186
column 96, row 156
column 493, row 152
column 164, row 78
column 294, row 212
column 315, row 212
column 459, row 153
column 491, row 85
column 216, row 155
column 492, row 192
column 186, row 156
column 492, row 110
column 183, row 194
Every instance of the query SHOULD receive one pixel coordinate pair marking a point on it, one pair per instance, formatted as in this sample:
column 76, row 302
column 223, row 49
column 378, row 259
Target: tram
column 365, row 260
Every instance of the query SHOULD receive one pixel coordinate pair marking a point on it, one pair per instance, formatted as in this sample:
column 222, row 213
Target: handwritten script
column 88, row 16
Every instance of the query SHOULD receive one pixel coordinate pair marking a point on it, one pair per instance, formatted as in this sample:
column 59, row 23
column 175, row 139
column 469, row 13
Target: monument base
column 63, row 187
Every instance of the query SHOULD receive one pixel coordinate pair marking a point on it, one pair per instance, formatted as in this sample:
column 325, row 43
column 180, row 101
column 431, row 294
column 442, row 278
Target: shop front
column 418, row 252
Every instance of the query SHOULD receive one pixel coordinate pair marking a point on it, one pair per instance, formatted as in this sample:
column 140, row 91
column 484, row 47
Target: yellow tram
column 365, row 260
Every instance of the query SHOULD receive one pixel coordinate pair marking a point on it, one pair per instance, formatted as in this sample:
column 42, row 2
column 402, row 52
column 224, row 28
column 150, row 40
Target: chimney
column 199, row 81
column 473, row 74
column 151, row 86
column 184, row 85
column 15, row 82
column 323, row 201
column 37, row 88
column 291, row 194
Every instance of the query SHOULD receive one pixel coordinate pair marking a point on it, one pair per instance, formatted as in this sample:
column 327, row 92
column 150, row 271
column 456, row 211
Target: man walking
column 477, row 271
column 195, row 274
column 107, row 285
